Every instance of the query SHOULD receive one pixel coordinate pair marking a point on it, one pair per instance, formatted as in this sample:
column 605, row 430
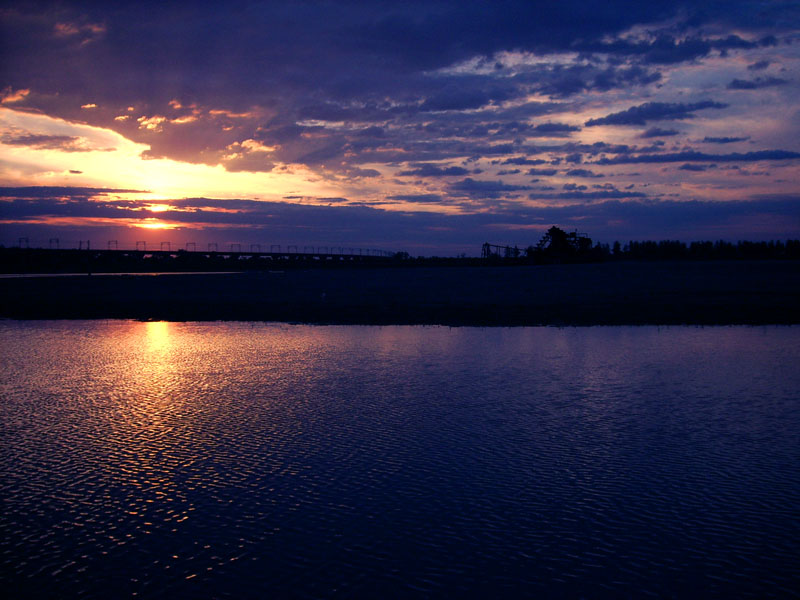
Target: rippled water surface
column 257, row 460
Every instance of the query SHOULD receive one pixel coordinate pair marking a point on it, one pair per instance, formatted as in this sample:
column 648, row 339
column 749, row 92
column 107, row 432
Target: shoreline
column 624, row 293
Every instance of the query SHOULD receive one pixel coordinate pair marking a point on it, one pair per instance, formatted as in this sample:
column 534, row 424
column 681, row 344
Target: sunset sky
column 429, row 127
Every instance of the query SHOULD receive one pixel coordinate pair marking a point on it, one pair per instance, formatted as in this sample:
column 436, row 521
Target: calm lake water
column 259, row 460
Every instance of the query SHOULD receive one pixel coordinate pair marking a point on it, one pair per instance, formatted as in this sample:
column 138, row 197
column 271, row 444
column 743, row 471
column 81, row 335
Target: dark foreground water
column 255, row 460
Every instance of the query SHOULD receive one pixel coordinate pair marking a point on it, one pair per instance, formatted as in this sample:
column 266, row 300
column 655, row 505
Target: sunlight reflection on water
column 244, row 459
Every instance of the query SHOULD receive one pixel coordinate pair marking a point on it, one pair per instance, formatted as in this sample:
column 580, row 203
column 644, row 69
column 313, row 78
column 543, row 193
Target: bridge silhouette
column 83, row 256
column 211, row 249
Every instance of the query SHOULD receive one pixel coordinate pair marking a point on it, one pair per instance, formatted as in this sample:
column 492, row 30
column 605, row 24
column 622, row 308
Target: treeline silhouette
column 719, row 250
column 558, row 246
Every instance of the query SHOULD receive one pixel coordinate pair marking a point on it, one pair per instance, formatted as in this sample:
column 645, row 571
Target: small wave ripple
column 241, row 460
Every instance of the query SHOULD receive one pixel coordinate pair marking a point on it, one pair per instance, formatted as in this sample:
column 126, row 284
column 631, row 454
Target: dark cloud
column 484, row 188
column 724, row 140
column 521, row 160
column 555, row 128
column 759, row 65
column 61, row 192
column 692, row 156
column 654, row 111
column 358, row 172
column 562, row 81
column 584, row 173
column 746, row 172
column 666, row 49
column 465, row 96
column 36, row 208
column 421, row 198
column 64, row 143
column 542, row 172
column 694, row 167
column 578, row 193
column 38, row 141
column 342, row 48
column 431, row 170
column 659, row 132
column 756, row 84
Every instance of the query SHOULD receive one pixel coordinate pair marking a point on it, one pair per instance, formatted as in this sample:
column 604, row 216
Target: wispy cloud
column 64, row 143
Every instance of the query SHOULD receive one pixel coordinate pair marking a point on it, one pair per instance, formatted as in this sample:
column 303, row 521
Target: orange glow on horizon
column 152, row 224
column 110, row 160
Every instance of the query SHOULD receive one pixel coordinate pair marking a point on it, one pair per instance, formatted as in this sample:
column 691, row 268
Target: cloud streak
column 655, row 111
column 691, row 156
column 607, row 214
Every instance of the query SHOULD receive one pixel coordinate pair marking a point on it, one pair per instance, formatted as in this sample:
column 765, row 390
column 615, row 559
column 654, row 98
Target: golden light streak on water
column 158, row 338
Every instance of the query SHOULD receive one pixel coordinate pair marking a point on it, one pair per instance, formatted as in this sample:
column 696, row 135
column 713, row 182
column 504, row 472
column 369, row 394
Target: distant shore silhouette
column 555, row 247
column 609, row 293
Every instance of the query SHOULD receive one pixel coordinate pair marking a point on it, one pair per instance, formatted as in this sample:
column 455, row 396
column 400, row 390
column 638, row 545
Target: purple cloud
column 430, row 170
column 655, row 111
column 757, row 83
column 724, row 140
column 659, row 132
column 691, row 156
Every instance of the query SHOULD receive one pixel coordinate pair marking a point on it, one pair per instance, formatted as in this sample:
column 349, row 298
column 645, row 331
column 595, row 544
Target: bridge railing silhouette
column 228, row 249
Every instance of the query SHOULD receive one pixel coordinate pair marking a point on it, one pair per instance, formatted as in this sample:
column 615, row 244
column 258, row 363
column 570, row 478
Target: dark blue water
column 248, row 460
